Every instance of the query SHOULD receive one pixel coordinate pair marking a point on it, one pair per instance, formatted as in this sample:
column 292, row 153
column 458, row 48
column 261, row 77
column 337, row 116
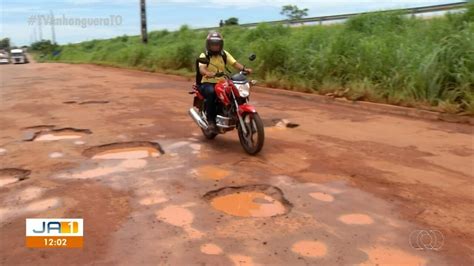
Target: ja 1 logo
column 54, row 233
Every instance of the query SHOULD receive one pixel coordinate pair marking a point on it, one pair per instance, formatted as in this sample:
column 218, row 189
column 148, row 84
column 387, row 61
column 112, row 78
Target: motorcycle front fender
column 246, row 108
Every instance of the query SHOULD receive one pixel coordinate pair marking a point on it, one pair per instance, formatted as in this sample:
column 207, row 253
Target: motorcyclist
column 219, row 59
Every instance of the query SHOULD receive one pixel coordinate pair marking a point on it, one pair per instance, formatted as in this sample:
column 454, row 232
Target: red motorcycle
column 234, row 110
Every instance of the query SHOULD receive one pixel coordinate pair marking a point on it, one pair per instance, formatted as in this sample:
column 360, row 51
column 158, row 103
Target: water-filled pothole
column 125, row 150
column 12, row 175
column 249, row 201
column 59, row 134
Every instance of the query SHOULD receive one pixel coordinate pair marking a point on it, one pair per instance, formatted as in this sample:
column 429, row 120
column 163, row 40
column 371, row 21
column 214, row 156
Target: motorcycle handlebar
column 223, row 74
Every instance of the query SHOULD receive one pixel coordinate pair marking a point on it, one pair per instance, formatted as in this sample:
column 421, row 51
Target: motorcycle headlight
column 244, row 89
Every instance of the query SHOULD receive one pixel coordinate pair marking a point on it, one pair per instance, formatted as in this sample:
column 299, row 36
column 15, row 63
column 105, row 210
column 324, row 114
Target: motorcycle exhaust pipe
column 197, row 118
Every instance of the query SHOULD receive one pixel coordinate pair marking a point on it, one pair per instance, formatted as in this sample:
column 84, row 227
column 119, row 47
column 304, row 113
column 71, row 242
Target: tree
column 5, row 43
column 231, row 21
column 293, row 12
column 44, row 46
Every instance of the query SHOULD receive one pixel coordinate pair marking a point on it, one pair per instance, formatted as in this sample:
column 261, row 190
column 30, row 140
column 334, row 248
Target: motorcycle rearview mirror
column 252, row 57
column 203, row 60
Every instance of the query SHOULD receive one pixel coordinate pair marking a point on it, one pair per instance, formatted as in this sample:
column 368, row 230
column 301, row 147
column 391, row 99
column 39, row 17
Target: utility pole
column 34, row 35
column 40, row 30
column 53, row 33
column 143, row 21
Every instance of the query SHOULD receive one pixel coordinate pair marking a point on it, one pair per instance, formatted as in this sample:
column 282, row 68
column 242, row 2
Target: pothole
column 94, row 102
column 309, row 248
column 12, row 175
column 356, row 218
column 59, row 134
column 125, row 150
column 281, row 123
column 86, row 102
column 38, row 127
column 249, row 201
column 210, row 172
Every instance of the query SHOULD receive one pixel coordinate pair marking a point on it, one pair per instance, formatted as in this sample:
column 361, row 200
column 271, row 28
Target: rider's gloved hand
column 248, row 70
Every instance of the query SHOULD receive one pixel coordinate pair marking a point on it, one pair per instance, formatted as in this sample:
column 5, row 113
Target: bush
column 384, row 57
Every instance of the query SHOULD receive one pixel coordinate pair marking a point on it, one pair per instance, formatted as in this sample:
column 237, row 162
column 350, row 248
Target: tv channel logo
column 54, row 233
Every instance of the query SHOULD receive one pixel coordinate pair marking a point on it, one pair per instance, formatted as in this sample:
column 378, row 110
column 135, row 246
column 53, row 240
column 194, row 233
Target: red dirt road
column 346, row 186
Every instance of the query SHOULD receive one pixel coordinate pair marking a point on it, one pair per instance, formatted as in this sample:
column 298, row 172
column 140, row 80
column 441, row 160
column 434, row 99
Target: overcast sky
column 162, row 14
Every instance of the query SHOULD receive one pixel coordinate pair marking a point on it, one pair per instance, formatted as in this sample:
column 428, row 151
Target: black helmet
column 212, row 39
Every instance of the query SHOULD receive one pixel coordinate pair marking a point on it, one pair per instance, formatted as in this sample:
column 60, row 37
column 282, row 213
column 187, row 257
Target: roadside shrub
column 384, row 57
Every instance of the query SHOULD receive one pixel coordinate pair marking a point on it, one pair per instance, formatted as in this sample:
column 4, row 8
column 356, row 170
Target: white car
column 18, row 56
column 4, row 58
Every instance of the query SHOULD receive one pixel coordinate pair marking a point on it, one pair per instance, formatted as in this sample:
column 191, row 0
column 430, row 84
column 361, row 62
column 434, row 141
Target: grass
column 379, row 57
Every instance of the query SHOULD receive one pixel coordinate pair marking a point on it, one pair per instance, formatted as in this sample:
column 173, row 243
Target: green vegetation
column 5, row 44
column 380, row 57
column 44, row 46
column 231, row 22
column 44, row 50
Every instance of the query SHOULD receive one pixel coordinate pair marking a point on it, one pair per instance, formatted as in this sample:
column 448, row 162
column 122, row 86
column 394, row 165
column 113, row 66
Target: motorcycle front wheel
column 252, row 142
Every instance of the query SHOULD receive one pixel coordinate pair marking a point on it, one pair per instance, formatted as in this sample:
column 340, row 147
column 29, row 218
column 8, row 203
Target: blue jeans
column 207, row 90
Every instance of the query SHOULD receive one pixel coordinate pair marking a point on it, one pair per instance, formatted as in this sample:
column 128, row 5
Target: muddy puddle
column 179, row 216
column 12, row 175
column 307, row 248
column 211, row 249
column 125, row 150
column 356, row 219
column 59, row 134
column 249, row 201
column 210, row 172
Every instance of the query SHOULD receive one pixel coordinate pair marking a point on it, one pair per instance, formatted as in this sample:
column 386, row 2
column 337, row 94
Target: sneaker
column 212, row 127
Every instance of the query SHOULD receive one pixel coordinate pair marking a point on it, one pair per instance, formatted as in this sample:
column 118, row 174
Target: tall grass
column 382, row 57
